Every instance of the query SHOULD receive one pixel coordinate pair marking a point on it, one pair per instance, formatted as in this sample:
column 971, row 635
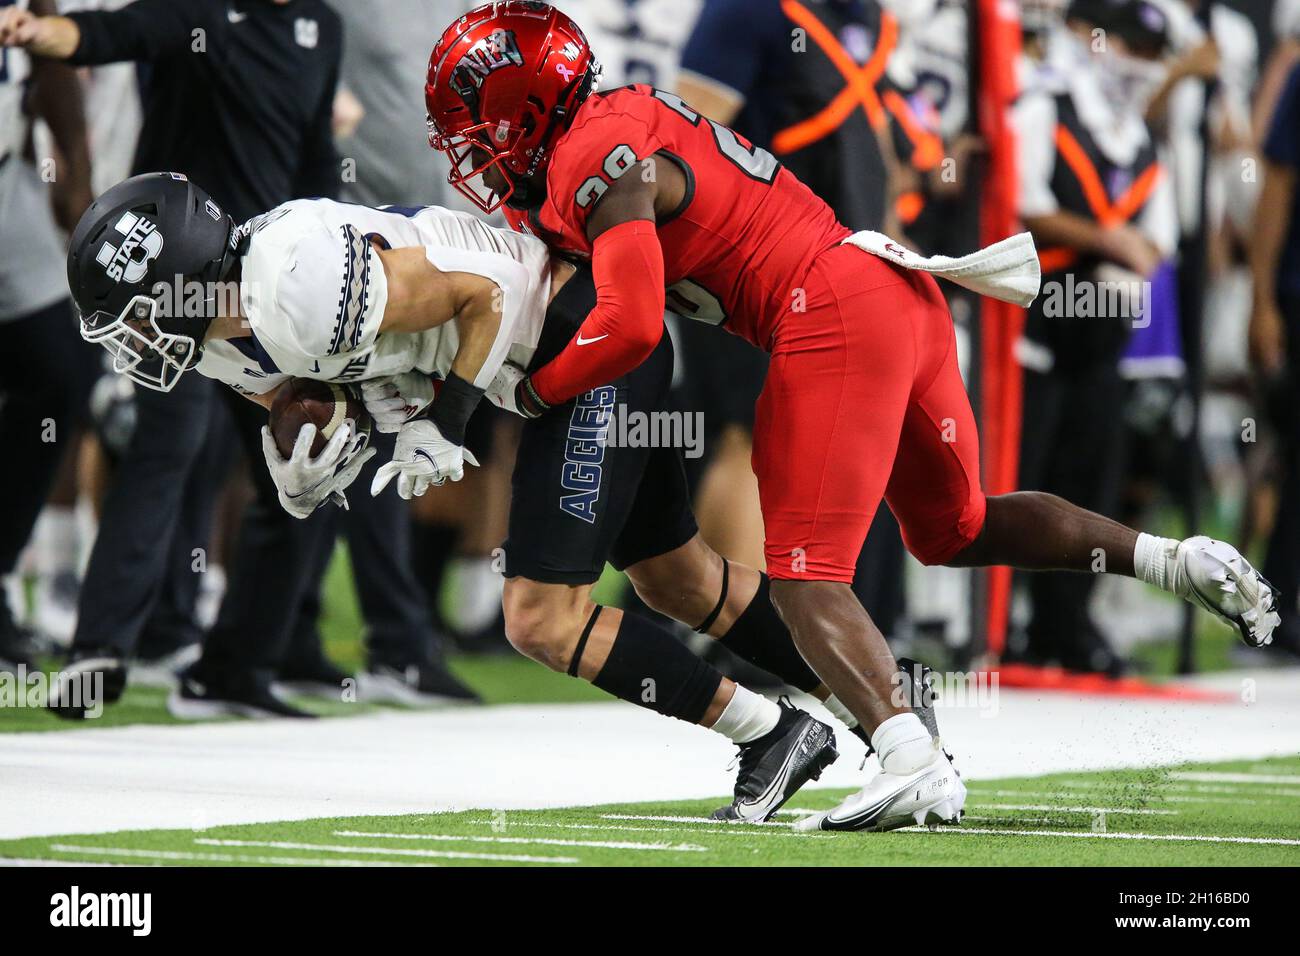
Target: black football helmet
column 133, row 262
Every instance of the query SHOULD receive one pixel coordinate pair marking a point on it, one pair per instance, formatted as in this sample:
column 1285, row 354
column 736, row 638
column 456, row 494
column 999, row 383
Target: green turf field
column 1244, row 813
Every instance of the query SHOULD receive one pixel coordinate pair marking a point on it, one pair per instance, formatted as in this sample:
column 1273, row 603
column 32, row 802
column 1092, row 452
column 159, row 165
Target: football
column 324, row 404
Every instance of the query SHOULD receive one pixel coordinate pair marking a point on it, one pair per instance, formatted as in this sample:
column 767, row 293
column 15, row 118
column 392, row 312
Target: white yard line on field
column 657, row 818
column 973, row 801
column 1205, row 776
column 1021, row 821
column 1056, row 809
column 1246, row 792
column 387, row 851
column 732, row 829
column 179, row 855
column 1174, row 837
column 976, row 792
column 543, row 841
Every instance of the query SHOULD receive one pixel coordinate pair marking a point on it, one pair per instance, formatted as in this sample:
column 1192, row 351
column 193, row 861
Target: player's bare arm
column 56, row 97
column 421, row 296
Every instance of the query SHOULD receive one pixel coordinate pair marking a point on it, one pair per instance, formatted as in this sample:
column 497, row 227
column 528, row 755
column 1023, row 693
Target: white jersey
column 314, row 292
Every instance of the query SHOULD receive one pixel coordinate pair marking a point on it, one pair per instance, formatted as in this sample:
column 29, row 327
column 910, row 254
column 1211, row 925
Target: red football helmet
column 504, row 82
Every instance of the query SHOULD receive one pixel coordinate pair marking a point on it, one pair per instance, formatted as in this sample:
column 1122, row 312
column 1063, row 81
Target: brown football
column 324, row 404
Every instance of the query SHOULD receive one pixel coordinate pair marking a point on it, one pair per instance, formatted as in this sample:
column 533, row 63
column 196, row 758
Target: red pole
column 1001, row 322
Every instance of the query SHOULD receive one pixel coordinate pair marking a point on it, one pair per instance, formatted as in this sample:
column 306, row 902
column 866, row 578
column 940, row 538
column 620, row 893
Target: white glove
column 504, row 388
column 304, row 482
column 394, row 400
column 422, row 457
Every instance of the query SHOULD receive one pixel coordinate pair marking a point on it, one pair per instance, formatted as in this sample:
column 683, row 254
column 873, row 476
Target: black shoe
column 18, row 644
column 165, row 668
column 777, row 764
column 203, row 696
column 316, row 678
column 13, row 654
column 90, row 679
column 429, row 684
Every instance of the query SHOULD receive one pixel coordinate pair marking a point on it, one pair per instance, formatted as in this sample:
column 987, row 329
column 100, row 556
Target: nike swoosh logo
column 234, row 16
column 582, row 341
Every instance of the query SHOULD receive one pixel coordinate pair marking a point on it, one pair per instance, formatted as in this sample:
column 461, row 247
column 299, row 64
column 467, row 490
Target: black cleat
column 776, row 765
column 18, row 645
column 203, row 696
column 429, row 684
column 918, row 686
column 313, row 678
column 90, row 679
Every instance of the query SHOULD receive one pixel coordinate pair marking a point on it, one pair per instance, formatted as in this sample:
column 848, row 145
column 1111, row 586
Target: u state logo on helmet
column 129, row 259
column 504, row 82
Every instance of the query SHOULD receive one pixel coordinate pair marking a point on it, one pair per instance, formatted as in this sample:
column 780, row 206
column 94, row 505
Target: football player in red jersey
column 863, row 400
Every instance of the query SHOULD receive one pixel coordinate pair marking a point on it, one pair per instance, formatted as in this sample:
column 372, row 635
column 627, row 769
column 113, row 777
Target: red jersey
column 737, row 250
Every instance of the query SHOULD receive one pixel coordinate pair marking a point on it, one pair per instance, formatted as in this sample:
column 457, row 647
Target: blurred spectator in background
column 44, row 373
column 806, row 82
column 64, row 532
column 1228, row 55
column 927, row 105
column 386, row 162
column 637, row 41
column 383, row 150
column 1275, row 341
column 1101, row 211
column 208, row 112
column 1284, row 56
column 385, row 59
column 113, row 110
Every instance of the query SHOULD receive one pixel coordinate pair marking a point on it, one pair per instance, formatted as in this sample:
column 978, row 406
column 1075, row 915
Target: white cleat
column 932, row 795
column 1215, row 575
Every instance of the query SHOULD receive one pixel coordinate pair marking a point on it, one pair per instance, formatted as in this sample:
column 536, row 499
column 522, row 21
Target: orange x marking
column 860, row 81
column 1106, row 213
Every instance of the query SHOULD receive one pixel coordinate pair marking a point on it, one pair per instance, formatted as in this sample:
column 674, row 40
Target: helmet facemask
column 140, row 349
column 473, row 152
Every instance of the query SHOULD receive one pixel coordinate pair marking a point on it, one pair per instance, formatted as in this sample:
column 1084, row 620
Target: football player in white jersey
column 306, row 290
column 397, row 300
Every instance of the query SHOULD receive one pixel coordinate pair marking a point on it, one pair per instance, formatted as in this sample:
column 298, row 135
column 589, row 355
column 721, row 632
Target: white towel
column 1007, row 270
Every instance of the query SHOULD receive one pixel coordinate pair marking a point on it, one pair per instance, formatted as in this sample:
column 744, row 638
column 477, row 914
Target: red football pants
column 864, row 400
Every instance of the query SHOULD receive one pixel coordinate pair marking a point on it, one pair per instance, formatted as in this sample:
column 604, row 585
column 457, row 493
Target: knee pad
column 649, row 667
column 760, row 637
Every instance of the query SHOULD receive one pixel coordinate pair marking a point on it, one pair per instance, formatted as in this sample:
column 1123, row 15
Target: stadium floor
column 1049, row 772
